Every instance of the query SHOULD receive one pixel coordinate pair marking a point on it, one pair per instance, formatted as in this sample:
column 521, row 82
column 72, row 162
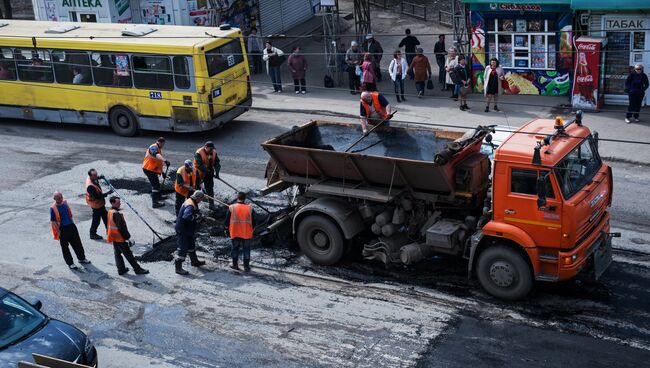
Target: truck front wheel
column 321, row 240
column 503, row 272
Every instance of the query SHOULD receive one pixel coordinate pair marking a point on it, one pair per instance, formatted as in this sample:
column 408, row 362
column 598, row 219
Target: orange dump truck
column 539, row 211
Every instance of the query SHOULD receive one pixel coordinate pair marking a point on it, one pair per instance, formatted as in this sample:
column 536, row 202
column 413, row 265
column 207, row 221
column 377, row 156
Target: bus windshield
column 578, row 168
column 223, row 57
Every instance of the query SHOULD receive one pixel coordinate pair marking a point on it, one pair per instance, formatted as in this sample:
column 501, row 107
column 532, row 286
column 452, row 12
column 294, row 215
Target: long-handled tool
column 237, row 190
column 134, row 210
column 162, row 185
column 390, row 116
column 216, row 200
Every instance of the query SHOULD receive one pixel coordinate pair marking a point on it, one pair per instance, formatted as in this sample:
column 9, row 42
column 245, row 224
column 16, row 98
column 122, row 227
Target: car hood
column 55, row 339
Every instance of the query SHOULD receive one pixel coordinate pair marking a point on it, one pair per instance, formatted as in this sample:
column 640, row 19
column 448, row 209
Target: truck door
column 520, row 209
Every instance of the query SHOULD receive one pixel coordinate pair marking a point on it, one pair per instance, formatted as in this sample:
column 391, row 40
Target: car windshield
column 578, row 168
column 17, row 319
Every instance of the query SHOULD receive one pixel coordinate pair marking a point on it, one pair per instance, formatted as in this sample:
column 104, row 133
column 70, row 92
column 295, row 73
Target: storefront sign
column 625, row 24
column 585, row 85
column 516, row 7
column 82, row 3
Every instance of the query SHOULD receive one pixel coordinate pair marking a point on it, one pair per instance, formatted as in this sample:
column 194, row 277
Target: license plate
column 603, row 256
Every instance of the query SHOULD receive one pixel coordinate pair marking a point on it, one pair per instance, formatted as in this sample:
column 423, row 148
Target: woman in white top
column 450, row 64
column 274, row 59
column 397, row 70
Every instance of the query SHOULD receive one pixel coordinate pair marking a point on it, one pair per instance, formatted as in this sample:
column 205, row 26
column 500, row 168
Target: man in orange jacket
column 65, row 231
column 118, row 234
column 239, row 225
column 187, row 181
column 95, row 198
column 152, row 166
column 374, row 109
column 208, row 164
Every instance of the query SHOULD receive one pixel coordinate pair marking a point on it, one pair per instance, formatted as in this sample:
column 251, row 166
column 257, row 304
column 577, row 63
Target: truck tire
column 123, row 122
column 504, row 273
column 321, row 240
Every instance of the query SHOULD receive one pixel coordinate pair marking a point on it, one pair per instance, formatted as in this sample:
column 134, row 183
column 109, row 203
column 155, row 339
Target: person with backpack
column 274, row 57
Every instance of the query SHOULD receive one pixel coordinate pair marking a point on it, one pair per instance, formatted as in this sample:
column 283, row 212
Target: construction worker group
column 201, row 170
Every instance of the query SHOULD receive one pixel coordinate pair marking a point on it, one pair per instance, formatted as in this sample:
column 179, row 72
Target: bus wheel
column 123, row 122
column 504, row 273
column 321, row 240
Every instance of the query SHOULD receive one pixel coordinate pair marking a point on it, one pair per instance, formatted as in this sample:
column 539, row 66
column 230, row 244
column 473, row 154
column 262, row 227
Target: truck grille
column 587, row 228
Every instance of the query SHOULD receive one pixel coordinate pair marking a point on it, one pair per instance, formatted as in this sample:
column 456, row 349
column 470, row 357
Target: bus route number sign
column 216, row 92
column 155, row 95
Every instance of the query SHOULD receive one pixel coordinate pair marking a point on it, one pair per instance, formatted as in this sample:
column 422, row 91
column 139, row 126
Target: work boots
column 247, row 266
column 179, row 267
column 234, row 265
column 155, row 200
column 194, row 260
column 211, row 205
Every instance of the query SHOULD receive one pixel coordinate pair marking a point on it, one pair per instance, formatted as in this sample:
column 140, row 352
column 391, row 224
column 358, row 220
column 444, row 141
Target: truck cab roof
column 519, row 147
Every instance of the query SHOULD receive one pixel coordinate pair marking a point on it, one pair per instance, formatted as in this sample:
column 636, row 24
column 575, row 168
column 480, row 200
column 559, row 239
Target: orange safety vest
column 151, row 163
column 112, row 232
column 241, row 221
column 207, row 161
column 94, row 203
column 188, row 179
column 57, row 216
column 381, row 110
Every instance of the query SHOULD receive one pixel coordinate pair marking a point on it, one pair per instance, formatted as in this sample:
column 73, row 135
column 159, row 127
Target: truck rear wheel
column 503, row 272
column 321, row 240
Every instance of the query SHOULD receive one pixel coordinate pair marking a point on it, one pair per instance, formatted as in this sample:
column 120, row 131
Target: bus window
column 34, row 65
column 181, row 72
column 152, row 72
column 223, row 57
column 111, row 70
column 7, row 65
column 72, row 67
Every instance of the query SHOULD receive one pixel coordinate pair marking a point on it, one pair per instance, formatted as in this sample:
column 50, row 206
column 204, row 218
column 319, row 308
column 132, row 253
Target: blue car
column 24, row 330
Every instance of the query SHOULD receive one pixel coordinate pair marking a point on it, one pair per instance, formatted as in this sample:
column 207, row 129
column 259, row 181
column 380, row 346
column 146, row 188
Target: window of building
column 152, row 72
column 182, row 72
column 7, row 64
column 34, row 65
column 72, row 67
column 522, row 43
column 224, row 57
column 524, row 181
column 111, row 70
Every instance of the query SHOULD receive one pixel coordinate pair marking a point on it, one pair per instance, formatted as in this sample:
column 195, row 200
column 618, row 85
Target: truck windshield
column 578, row 168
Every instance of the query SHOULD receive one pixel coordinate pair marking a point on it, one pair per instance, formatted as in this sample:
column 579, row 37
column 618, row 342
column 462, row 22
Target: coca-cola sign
column 585, row 79
column 586, row 47
column 585, row 83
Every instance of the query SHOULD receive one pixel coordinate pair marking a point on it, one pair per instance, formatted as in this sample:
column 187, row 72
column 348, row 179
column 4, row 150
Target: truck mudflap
column 602, row 255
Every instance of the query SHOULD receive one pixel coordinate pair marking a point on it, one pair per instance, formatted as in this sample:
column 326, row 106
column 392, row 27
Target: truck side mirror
column 541, row 191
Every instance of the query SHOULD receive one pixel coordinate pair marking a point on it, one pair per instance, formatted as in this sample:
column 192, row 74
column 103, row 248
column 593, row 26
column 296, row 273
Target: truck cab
column 549, row 216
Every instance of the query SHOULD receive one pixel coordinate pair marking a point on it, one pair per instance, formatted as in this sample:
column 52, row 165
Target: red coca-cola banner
column 585, row 81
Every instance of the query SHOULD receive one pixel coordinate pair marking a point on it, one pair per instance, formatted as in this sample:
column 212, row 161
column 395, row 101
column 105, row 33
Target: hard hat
column 188, row 164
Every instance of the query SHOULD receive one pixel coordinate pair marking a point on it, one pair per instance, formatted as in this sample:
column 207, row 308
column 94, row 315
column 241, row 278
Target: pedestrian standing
column 239, row 225
column 187, row 181
column 274, row 58
column 410, row 44
column 96, row 200
column 118, row 234
column 254, row 47
column 421, row 71
column 450, row 64
column 373, row 47
column 368, row 77
column 492, row 78
column 186, row 223
column 374, row 109
column 441, row 51
column 207, row 162
column 152, row 166
column 397, row 71
column 462, row 88
column 65, row 231
column 298, row 67
column 635, row 86
column 354, row 58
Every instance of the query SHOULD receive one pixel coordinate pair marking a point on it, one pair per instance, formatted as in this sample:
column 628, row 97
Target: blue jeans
column 399, row 85
column 274, row 72
column 243, row 243
column 457, row 89
column 184, row 245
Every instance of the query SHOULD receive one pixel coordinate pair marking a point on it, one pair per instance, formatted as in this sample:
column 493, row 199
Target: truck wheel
column 504, row 273
column 321, row 240
column 123, row 122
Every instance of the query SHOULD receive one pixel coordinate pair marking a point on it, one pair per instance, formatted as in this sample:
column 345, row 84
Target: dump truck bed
column 396, row 158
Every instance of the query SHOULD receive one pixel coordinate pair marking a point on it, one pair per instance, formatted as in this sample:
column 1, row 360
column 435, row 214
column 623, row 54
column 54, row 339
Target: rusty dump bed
column 397, row 158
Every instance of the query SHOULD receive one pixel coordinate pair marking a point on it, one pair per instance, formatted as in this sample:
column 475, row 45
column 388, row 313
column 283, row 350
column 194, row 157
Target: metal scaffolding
column 362, row 19
column 461, row 31
column 329, row 11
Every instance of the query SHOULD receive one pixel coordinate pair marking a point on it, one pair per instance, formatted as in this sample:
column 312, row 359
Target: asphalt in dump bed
column 413, row 144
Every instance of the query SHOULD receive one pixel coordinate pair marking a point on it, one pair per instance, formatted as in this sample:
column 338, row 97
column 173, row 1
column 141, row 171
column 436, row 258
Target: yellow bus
column 128, row 77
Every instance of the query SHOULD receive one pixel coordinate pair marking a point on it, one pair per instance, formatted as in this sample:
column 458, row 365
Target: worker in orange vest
column 186, row 223
column 65, row 231
column 209, row 165
column 187, row 181
column 239, row 225
column 95, row 199
column 374, row 109
column 118, row 234
column 152, row 166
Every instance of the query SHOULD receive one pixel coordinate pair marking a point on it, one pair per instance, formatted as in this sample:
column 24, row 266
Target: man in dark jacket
column 119, row 235
column 373, row 47
column 96, row 200
column 409, row 43
column 188, row 216
column 440, row 51
column 635, row 85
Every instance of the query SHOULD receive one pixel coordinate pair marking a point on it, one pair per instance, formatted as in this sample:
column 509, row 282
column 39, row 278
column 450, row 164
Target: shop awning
column 609, row 5
column 538, row 2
